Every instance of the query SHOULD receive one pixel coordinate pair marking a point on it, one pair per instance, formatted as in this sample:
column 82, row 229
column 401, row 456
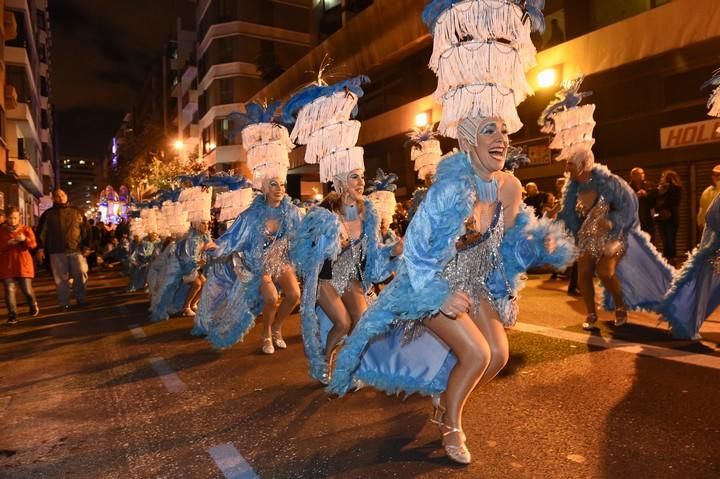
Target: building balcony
column 19, row 56
column 225, row 155
column 22, row 115
column 46, row 169
column 45, row 135
column 224, row 70
column 190, row 98
column 253, row 30
column 27, row 176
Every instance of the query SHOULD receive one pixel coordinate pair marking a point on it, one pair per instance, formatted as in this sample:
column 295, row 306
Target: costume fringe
column 341, row 161
column 331, row 137
column 479, row 100
column 321, row 112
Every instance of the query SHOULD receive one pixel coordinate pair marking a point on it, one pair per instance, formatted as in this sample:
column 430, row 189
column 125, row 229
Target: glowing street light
column 179, row 144
column 422, row 119
column 547, row 78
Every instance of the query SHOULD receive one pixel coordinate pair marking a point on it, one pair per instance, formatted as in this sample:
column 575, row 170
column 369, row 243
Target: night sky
column 100, row 51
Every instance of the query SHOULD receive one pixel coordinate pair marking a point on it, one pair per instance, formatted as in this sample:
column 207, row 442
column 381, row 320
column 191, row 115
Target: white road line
column 137, row 331
column 693, row 359
column 171, row 380
column 231, row 463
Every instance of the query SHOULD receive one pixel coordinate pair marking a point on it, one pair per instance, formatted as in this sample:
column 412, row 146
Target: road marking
column 171, row 380
column 137, row 331
column 231, row 463
column 639, row 349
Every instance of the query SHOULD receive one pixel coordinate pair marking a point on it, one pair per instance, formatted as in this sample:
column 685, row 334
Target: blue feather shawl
column 419, row 290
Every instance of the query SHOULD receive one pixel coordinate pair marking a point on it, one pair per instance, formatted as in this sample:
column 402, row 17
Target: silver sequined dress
column 348, row 265
column 593, row 238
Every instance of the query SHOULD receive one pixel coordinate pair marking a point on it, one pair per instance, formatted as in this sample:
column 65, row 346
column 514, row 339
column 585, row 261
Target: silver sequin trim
column 347, row 267
column 277, row 257
column 592, row 238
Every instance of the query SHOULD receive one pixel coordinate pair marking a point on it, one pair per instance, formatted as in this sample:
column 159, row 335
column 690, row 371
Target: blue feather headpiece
column 420, row 135
column 254, row 113
column 568, row 97
column 516, row 158
column 383, row 182
column 532, row 11
column 314, row 91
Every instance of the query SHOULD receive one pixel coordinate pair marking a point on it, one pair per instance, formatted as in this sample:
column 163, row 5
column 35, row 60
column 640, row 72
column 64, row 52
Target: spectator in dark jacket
column 535, row 198
column 62, row 235
column 667, row 211
column 645, row 192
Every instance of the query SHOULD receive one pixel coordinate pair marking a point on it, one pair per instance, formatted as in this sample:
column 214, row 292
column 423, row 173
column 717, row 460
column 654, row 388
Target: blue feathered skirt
column 644, row 275
column 695, row 293
column 220, row 275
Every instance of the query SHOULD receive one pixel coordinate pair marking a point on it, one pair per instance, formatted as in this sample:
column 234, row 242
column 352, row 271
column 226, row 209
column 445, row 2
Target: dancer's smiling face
column 274, row 189
column 354, row 186
column 490, row 149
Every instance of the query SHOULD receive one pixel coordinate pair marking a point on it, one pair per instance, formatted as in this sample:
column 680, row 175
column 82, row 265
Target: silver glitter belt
column 593, row 237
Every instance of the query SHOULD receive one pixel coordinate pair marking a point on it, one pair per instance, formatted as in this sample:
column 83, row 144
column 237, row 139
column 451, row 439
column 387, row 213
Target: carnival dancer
column 470, row 240
column 695, row 291
column 601, row 210
column 140, row 258
column 259, row 240
column 337, row 251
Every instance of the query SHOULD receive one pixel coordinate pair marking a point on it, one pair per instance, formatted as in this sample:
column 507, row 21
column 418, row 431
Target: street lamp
column 549, row 77
column 179, row 144
column 422, row 119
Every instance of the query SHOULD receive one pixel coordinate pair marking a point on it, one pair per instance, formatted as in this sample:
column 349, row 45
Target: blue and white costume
column 389, row 348
column 183, row 259
column 246, row 252
column 695, row 291
column 140, row 258
column 317, row 247
column 644, row 275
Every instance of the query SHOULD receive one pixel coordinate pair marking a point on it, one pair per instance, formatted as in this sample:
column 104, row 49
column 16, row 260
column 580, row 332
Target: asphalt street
column 99, row 392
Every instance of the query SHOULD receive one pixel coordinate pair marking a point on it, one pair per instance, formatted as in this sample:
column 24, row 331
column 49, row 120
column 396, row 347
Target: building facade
column 27, row 115
column 77, row 178
column 243, row 46
column 644, row 60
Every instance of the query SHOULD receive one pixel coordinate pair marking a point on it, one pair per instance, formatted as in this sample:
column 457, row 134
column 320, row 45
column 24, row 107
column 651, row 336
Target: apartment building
column 27, row 115
column 77, row 178
column 241, row 47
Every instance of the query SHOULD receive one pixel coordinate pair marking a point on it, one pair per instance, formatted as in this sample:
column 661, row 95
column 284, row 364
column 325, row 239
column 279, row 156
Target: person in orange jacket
column 16, row 262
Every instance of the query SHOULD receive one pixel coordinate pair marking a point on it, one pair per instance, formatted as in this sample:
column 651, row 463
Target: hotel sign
column 690, row 134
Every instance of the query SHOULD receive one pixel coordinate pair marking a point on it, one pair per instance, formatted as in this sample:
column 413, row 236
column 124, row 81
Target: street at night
column 246, row 239
column 83, row 396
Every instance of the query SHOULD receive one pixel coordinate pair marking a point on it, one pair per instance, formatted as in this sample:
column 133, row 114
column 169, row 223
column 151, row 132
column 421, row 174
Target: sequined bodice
column 594, row 238
column 348, row 265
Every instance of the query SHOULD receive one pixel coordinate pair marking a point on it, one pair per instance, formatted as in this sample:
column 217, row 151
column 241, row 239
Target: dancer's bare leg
column 473, row 354
column 493, row 331
column 586, row 278
column 355, row 301
column 331, row 302
column 270, row 298
column 606, row 268
column 193, row 293
column 291, row 297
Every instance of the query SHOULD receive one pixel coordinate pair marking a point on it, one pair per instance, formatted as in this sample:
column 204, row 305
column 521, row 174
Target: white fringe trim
column 481, row 20
column 486, row 62
column 321, row 112
column 572, row 135
column 196, row 202
column 385, row 204
column 574, row 117
column 425, row 148
column 175, row 218
column 343, row 134
column 341, row 161
column 268, row 170
column 479, row 100
column 571, row 150
column 232, row 203
column 261, row 133
column 268, row 153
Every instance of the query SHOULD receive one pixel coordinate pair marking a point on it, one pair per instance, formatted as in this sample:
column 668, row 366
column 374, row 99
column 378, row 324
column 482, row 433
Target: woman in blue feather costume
column 695, row 291
column 438, row 327
column 601, row 210
column 140, row 260
column 183, row 263
column 252, row 267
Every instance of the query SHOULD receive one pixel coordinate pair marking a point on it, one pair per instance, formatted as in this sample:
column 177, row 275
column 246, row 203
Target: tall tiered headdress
column 382, row 194
column 266, row 141
column 571, row 123
column 425, row 151
column 714, row 100
column 481, row 51
column 323, row 115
